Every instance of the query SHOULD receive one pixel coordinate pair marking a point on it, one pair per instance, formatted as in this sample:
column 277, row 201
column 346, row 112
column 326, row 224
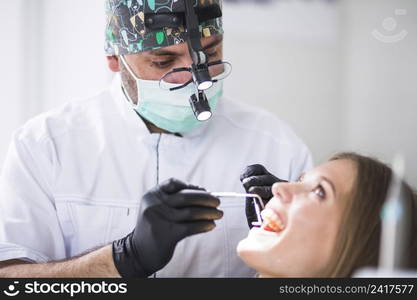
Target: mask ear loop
column 128, row 68
column 256, row 198
column 123, row 60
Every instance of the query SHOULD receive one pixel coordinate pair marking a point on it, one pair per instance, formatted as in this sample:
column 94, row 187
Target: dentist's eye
column 319, row 191
column 213, row 54
column 162, row 64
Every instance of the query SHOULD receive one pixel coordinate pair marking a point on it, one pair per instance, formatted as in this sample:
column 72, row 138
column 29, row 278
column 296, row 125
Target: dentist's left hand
column 168, row 213
column 257, row 180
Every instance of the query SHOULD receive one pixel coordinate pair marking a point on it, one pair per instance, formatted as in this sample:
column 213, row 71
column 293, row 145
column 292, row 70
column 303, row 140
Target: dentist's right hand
column 168, row 213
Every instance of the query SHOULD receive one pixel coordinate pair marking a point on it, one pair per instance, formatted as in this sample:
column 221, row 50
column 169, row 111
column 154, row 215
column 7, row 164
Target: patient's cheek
column 320, row 239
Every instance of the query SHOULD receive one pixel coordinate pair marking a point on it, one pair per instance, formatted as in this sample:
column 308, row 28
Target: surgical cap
column 126, row 32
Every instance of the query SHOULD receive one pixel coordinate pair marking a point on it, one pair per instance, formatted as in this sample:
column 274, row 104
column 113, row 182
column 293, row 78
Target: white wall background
column 287, row 56
column 380, row 80
column 10, row 99
column 315, row 65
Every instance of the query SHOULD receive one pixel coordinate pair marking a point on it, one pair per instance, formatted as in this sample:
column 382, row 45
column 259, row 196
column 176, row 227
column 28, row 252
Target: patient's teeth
column 271, row 220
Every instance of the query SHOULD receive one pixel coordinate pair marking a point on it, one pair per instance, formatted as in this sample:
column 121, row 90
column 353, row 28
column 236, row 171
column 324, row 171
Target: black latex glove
column 168, row 213
column 257, row 180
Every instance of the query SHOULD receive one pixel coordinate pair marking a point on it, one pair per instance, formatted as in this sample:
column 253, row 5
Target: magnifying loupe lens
column 202, row 78
column 175, row 79
column 219, row 70
column 181, row 77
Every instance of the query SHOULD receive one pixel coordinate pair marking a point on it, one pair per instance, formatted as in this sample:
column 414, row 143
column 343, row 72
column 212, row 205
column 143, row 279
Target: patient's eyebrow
column 301, row 177
column 330, row 183
column 321, row 177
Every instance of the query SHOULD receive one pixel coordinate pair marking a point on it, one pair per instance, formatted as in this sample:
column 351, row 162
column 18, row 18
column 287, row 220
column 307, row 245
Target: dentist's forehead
column 207, row 42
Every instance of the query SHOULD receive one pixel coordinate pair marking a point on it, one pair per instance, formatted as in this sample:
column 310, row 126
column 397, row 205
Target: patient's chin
column 253, row 256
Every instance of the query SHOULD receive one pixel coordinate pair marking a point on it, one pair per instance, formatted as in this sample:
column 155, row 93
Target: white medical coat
column 73, row 179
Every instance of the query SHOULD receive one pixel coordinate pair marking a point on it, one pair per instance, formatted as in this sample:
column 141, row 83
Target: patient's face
column 301, row 223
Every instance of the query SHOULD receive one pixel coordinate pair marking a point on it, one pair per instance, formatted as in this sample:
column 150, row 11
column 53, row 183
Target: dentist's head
column 149, row 43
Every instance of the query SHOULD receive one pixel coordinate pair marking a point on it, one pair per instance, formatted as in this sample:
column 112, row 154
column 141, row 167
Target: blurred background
column 342, row 73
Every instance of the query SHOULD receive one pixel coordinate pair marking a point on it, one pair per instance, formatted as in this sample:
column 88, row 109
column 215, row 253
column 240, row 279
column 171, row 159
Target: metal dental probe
column 240, row 195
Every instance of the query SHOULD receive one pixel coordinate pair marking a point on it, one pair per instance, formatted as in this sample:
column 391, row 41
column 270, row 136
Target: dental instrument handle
column 238, row 195
column 241, row 195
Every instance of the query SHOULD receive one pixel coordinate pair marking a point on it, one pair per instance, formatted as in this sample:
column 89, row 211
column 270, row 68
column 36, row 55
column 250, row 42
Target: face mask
column 170, row 110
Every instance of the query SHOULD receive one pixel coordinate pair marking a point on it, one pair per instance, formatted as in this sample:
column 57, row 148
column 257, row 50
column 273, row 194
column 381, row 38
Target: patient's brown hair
column 358, row 241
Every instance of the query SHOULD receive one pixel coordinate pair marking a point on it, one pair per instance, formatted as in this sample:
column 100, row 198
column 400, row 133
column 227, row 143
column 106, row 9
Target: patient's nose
column 286, row 191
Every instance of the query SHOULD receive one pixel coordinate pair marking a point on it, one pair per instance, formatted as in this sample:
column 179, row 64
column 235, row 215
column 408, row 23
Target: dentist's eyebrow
column 214, row 43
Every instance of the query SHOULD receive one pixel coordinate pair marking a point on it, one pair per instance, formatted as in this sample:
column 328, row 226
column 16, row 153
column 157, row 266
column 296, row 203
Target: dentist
column 85, row 189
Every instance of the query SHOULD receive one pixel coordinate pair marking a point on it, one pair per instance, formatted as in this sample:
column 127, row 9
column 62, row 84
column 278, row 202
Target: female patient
column 328, row 224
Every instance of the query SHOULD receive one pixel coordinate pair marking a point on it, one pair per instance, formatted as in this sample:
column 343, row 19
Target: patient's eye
column 319, row 191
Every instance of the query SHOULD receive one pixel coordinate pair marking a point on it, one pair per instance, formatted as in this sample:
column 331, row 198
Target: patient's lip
column 276, row 206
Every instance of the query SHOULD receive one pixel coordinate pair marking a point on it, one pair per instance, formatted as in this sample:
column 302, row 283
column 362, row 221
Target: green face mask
column 170, row 110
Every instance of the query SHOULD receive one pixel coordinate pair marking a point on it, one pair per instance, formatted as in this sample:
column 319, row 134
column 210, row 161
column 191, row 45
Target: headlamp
column 201, row 75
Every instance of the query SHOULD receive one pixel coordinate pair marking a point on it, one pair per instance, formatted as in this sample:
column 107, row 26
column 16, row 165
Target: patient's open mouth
column 272, row 221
